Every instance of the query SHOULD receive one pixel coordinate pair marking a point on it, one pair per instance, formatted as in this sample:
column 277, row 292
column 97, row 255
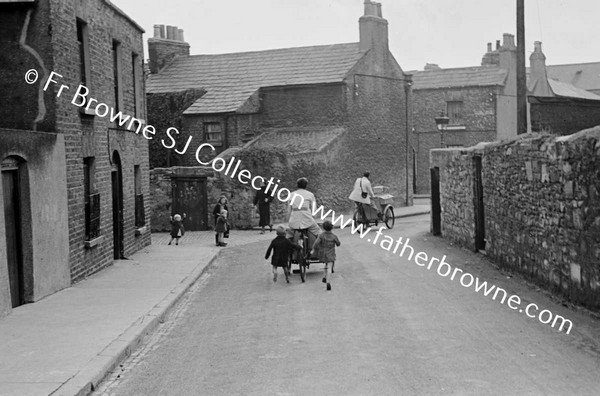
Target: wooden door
column 479, row 215
column 117, row 205
column 436, row 208
column 12, row 220
column 189, row 197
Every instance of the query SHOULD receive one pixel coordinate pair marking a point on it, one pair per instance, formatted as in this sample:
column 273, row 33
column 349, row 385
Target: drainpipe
column 407, row 90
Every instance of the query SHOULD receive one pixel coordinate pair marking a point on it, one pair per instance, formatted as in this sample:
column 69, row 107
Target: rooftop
column 458, row 77
column 230, row 79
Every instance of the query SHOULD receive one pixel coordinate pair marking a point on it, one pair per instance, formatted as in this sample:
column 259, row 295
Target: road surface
column 388, row 327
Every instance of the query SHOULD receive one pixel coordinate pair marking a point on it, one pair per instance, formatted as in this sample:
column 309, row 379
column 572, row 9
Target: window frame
column 455, row 121
column 206, row 126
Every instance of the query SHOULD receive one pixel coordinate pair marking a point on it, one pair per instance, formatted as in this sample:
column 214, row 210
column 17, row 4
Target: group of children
column 323, row 249
column 281, row 246
column 221, row 228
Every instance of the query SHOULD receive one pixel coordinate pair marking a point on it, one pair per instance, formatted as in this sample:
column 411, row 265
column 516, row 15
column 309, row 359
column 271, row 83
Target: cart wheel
column 388, row 217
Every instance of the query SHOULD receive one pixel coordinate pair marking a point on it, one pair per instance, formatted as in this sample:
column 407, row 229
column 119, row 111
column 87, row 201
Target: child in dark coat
column 221, row 227
column 281, row 247
column 325, row 249
column 177, row 229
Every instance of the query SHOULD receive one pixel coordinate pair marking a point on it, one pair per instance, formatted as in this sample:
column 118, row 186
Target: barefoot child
column 281, row 247
column 325, row 248
column 177, row 229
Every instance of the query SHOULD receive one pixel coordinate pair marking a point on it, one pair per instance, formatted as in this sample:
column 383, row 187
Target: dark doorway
column 436, row 208
column 189, row 197
column 414, row 161
column 13, row 225
column 478, row 196
column 117, row 205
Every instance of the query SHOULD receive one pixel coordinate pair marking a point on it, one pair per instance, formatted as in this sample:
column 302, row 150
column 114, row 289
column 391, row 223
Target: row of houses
column 80, row 190
column 75, row 187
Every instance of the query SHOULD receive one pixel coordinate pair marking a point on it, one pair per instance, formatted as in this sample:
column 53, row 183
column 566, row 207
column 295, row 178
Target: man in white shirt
column 301, row 206
column 363, row 185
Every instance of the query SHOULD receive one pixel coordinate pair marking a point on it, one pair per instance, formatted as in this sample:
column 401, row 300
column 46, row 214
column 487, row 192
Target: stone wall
column 542, row 207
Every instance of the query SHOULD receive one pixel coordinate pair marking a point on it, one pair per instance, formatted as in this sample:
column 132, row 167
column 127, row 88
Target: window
column 454, row 109
column 135, row 76
column 213, row 132
column 118, row 89
column 92, row 200
column 84, row 61
column 82, row 41
column 140, row 214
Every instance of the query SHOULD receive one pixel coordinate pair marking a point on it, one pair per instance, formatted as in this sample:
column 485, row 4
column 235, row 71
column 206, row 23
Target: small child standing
column 221, row 227
column 177, row 229
column 281, row 247
column 325, row 248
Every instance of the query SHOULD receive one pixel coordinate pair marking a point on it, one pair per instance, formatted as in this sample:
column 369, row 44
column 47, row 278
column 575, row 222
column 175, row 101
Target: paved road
column 388, row 327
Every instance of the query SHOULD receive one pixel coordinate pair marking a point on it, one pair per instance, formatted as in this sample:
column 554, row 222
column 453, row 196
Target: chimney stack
column 538, row 78
column 166, row 45
column 373, row 29
column 491, row 58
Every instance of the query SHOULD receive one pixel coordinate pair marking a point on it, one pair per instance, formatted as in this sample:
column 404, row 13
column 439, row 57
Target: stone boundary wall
column 541, row 204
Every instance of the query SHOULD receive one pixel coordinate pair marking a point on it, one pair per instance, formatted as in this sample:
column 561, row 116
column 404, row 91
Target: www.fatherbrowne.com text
column 400, row 246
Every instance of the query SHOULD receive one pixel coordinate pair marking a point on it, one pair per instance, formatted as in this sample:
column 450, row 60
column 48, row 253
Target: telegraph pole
column 521, row 78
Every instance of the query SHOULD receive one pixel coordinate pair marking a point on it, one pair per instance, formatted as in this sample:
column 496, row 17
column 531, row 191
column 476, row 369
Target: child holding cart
column 324, row 249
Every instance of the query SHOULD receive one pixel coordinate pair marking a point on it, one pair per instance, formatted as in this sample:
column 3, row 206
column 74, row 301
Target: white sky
column 451, row 33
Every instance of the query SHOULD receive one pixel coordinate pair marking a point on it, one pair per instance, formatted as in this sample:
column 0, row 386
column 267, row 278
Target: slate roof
column 582, row 75
column 295, row 140
column 230, row 79
column 478, row 76
column 568, row 90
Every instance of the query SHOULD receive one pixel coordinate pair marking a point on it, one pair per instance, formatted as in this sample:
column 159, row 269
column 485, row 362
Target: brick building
column 334, row 110
column 73, row 182
column 481, row 104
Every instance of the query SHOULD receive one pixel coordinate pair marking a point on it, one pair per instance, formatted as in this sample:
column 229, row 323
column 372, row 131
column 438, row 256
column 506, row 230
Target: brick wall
column 87, row 136
column 479, row 116
column 563, row 116
column 541, row 204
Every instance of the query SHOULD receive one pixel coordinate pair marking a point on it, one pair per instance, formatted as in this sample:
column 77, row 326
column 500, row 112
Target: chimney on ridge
column 373, row 29
column 166, row 45
column 538, row 78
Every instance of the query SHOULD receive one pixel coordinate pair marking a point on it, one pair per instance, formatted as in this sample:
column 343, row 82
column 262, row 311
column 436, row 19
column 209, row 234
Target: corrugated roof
column 459, row 77
column 582, row 75
column 230, row 79
column 568, row 90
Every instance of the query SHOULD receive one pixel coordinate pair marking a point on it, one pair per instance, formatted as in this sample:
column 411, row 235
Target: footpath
column 68, row 342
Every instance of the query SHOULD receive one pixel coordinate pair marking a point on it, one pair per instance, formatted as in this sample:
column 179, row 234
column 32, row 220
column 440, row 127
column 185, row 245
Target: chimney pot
column 180, row 34
column 537, row 46
column 372, row 8
column 170, row 32
column 157, row 31
column 508, row 40
column 489, row 47
column 497, row 44
column 379, row 14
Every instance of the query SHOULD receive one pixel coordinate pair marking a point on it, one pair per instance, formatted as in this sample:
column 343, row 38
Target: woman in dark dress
column 221, row 204
column 263, row 200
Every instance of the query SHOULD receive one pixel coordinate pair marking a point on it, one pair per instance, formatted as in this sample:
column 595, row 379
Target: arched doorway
column 13, row 177
column 117, row 205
